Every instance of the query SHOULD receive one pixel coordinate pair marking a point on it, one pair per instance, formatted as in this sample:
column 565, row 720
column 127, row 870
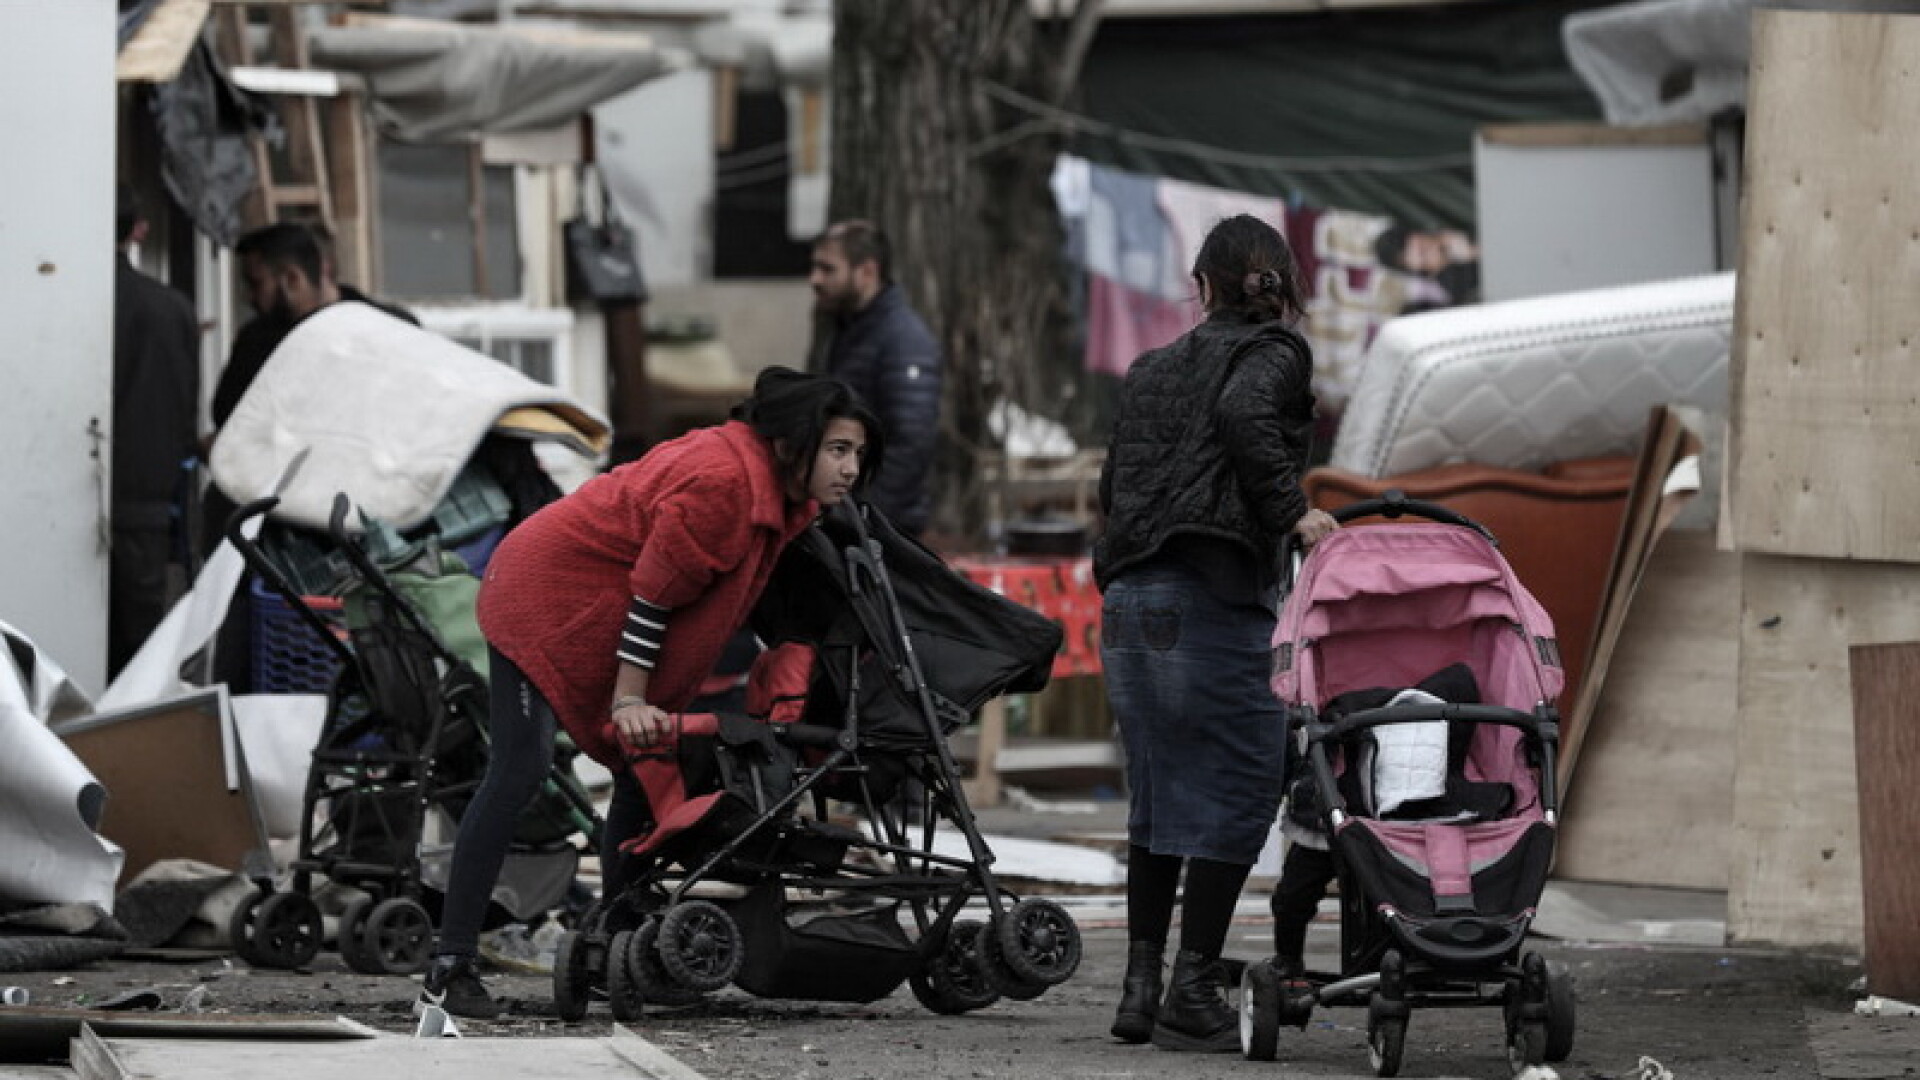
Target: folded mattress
column 1527, row 383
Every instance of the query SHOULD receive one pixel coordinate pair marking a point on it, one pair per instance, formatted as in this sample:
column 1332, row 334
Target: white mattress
column 1527, row 383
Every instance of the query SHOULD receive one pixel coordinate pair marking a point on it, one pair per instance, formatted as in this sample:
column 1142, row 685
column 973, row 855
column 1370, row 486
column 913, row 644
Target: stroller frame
column 656, row 942
column 1393, row 962
column 404, row 683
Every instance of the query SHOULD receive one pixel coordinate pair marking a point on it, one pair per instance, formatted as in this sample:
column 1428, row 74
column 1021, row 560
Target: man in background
column 876, row 343
column 156, row 402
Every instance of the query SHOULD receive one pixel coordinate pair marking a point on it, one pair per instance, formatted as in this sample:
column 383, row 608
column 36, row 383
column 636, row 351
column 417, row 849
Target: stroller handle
column 1394, row 503
column 1544, row 725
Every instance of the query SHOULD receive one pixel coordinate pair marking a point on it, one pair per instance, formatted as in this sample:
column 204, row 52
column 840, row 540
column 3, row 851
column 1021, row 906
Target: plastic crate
column 288, row 657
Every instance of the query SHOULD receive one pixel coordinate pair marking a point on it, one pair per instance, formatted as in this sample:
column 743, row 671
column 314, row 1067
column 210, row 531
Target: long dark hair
column 791, row 410
column 1251, row 271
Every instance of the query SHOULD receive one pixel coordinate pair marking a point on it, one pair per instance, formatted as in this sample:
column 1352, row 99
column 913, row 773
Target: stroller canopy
column 972, row 643
column 1388, row 605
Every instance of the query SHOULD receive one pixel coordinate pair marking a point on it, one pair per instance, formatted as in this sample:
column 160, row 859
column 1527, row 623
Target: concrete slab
column 626, row 1056
column 1584, row 911
column 1863, row 1048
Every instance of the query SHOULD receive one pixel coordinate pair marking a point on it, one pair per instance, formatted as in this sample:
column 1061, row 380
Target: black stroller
column 1441, row 811
column 877, row 650
column 404, row 738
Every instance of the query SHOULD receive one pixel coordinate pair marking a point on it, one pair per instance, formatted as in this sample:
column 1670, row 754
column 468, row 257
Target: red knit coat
column 694, row 526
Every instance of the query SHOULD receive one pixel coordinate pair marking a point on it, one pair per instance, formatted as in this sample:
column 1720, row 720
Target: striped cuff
column 641, row 638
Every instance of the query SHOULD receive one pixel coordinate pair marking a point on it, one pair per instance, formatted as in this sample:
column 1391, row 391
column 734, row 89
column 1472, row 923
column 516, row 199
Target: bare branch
column 1086, row 19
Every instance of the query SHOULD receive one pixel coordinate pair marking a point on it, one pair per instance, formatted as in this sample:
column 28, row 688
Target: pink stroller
column 1440, row 813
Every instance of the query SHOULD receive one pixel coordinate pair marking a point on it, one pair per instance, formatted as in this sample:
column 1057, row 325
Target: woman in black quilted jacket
column 1202, row 483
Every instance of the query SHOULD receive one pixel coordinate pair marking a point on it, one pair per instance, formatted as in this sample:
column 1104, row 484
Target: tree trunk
column 959, row 185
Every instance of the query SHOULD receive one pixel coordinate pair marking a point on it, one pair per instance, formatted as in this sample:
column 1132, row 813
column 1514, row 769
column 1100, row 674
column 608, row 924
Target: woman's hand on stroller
column 1314, row 526
column 641, row 726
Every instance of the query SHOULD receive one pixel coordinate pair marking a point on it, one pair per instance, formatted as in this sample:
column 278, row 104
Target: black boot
column 1139, row 992
column 1194, row 1016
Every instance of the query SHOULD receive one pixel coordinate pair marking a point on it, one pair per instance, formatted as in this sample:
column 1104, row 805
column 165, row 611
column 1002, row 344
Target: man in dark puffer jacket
column 879, row 346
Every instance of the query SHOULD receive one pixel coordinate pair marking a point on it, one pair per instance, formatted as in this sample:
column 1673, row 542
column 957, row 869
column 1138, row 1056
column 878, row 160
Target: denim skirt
column 1187, row 675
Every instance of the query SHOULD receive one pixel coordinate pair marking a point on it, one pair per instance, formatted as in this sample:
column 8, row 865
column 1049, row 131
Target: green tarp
column 1369, row 110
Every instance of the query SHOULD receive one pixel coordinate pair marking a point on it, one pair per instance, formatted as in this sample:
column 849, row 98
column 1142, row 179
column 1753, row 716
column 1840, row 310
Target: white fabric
column 278, row 733
column 154, row 673
column 1628, row 54
column 390, row 412
column 50, row 803
column 1409, row 760
column 1193, row 210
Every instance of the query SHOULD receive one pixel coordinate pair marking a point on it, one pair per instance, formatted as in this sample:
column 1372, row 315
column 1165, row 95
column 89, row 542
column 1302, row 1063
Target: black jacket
column 156, row 396
column 889, row 357
column 1210, row 442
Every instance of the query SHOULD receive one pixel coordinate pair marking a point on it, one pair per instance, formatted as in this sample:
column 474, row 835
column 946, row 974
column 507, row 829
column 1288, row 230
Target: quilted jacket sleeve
column 1266, row 416
column 694, row 535
column 906, row 389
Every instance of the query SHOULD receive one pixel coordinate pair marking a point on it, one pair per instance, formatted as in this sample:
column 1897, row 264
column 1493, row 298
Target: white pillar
column 56, row 324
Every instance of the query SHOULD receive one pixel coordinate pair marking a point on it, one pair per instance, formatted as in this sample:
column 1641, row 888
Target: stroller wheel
column 992, row 960
column 700, row 945
column 623, row 992
column 287, row 930
column 240, row 928
column 656, row 984
column 572, row 982
column 1386, row 1043
column 1559, row 1013
column 951, row 982
column 398, row 937
column 1040, row 941
column 351, row 938
column 1259, row 1012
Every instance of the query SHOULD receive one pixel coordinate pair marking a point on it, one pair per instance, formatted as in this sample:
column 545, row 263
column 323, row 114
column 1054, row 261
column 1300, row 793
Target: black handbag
column 603, row 259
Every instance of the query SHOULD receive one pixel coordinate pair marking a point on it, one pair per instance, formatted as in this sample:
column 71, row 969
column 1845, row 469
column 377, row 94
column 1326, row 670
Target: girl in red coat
column 605, row 610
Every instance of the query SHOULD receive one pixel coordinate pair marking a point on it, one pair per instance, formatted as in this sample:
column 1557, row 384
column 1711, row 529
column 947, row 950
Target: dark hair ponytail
column 1251, row 271
column 791, row 409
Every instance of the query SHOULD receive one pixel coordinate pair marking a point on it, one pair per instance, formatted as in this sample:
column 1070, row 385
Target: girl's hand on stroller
column 642, row 726
column 1314, row 526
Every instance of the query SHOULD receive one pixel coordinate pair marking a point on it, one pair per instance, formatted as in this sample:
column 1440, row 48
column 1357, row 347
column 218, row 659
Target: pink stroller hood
column 1389, row 605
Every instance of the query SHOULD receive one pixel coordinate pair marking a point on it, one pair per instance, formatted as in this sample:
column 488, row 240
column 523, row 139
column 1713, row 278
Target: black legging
column 1304, row 878
column 521, row 728
column 1206, row 914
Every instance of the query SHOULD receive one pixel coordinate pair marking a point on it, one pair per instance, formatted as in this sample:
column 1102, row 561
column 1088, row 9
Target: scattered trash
column 1537, row 1072
column 64, row 980
column 14, row 995
column 132, row 1000
column 436, row 1024
column 1875, row 1005
column 1650, row 1069
column 194, row 1000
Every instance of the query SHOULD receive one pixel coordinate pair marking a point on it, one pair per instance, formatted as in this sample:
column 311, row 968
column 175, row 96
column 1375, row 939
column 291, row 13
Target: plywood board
column 1658, row 761
column 173, row 788
column 1886, row 732
column 1826, row 391
column 1794, row 860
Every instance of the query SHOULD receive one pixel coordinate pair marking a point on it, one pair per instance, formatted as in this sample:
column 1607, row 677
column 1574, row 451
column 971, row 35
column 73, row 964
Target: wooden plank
column 1826, row 406
column 983, row 788
column 1545, row 136
column 158, row 50
column 1794, row 875
column 166, row 774
column 1650, row 509
column 350, row 178
column 1886, row 730
column 1658, row 759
